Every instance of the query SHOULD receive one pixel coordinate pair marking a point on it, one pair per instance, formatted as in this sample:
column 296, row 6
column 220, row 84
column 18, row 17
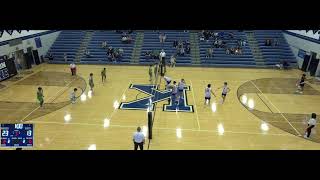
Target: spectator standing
column 162, row 37
column 65, row 57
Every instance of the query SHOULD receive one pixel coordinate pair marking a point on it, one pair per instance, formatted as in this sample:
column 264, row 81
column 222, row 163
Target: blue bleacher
column 220, row 58
column 68, row 42
column 274, row 54
column 99, row 55
column 152, row 42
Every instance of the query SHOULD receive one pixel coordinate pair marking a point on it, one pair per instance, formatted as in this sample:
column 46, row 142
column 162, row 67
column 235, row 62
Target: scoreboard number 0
column 18, row 126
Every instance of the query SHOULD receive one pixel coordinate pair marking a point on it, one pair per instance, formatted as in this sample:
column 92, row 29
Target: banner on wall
column 38, row 42
column 9, row 32
column 314, row 34
column 302, row 53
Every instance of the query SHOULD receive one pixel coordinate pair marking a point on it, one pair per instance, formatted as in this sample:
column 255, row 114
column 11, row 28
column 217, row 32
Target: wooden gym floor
column 261, row 111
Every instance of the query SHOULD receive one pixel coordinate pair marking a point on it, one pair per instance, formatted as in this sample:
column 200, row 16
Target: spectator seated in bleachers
column 155, row 54
column 276, row 42
column 238, row 51
column 268, row 42
column 121, row 51
column 181, row 51
column 209, row 52
column 117, row 54
column 126, row 39
column 175, row 43
column 110, row 50
column 283, row 65
column 231, row 35
column 104, row 45
column 202, row 38
column 87, row 53
column 215, row 44
column 147, row 55
column 188, row 49
column 50, row 56
column 206, row 35
column 227, row 50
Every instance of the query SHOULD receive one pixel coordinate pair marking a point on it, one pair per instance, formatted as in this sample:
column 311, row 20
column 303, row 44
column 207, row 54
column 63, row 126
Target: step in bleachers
column 67, row 42
column 274, row 54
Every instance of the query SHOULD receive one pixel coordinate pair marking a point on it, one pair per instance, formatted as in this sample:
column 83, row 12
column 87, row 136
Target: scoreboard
column 4, row 72
column 16, row 135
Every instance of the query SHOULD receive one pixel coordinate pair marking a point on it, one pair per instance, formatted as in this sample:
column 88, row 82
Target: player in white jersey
column 168, row 81
column 174, row 93
column 207, row 94
column 225, row 91
column 311, row 124
column 181, row 87
column 73, row 96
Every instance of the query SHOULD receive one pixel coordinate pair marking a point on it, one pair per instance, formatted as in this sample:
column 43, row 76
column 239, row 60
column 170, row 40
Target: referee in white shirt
column 138, row 139
column 162, row 56
column 311, row 124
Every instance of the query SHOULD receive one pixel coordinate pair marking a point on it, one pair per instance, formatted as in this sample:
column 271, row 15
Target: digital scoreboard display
column 16, row 135
column 4, row 72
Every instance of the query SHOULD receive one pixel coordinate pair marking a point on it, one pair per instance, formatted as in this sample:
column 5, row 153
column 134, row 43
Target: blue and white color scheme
column 154, row 96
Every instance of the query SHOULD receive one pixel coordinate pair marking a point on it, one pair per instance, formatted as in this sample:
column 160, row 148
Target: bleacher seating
column 152, row 42
column 220, row 58
column 274, row 54
column 68, row 42
column 99, row 55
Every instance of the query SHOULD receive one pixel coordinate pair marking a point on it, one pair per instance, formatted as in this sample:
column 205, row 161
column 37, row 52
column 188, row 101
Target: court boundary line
column 195, row 106
column 276, row 109
column 159, row 128
column 264, row 103
column 116, row 109
column 15, row 82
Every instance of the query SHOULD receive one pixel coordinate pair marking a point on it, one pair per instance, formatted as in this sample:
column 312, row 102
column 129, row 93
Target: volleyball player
column 73, row 96
column 181, row 87
column 150, row 73
column 174, row 93
column 168, row 81
column 103, row 75
column 156, row 71
column 225, row 90
column 301, row 83
column 311, row 124
column 91, row 84
column 40, row 96
column 207, row 94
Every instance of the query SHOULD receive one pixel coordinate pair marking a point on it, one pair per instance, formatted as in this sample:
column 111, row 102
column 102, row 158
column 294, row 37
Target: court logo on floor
column 155, row 96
